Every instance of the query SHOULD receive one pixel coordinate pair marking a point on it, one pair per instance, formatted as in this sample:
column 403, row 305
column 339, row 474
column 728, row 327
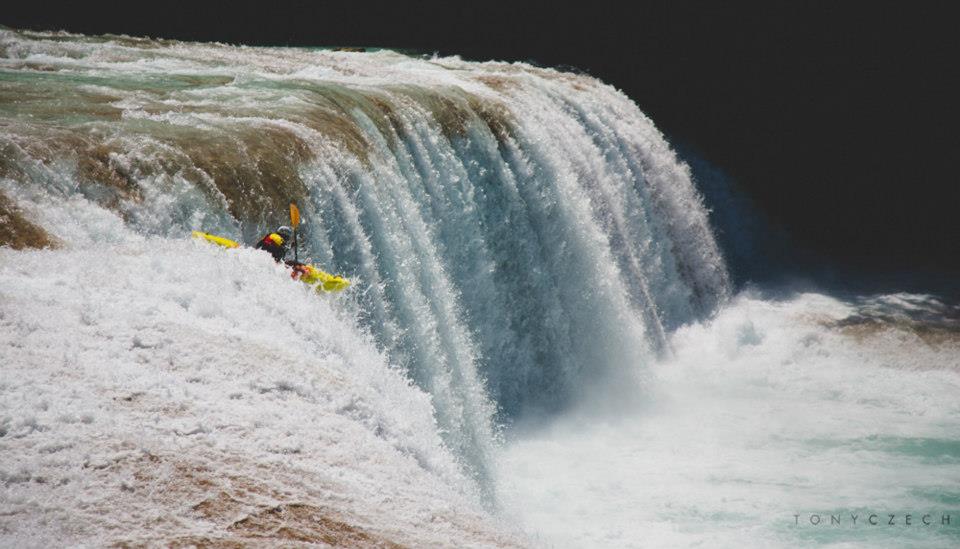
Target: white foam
column 765, row 412
column 121, row 359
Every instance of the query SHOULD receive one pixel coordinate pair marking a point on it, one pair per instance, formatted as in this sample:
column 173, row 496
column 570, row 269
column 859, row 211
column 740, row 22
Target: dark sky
column 836, row 117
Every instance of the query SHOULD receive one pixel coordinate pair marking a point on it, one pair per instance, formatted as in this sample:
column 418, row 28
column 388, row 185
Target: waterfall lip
column 190, row 393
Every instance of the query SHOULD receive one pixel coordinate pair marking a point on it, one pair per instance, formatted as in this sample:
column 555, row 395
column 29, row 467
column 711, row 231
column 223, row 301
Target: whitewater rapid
column 541, row 344
column 175, row 393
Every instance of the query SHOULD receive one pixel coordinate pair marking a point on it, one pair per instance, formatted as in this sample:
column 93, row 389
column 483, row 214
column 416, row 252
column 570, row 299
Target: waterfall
column 514, row 233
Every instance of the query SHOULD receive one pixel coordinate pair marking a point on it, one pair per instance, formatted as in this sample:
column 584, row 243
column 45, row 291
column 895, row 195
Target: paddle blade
column 294, row 215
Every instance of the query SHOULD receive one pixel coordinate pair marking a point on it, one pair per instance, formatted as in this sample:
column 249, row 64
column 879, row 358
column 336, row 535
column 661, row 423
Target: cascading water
column 506, row 223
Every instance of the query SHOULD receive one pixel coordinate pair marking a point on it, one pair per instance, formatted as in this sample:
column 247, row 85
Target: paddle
column 295, row 221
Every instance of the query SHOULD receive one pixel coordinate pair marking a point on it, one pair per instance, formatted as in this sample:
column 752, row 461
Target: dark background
column 836, row 118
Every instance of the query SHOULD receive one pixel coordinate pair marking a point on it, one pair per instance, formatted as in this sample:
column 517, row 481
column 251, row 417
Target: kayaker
column 277, row 243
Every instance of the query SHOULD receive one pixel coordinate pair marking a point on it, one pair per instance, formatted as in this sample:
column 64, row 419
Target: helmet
column 285, row 232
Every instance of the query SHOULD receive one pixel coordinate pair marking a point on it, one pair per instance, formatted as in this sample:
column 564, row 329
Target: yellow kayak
column 219, row 240
column 325, row 282
column 308, row 274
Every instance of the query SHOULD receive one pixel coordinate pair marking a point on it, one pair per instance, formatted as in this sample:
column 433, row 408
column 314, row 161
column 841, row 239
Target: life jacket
column 274, row 244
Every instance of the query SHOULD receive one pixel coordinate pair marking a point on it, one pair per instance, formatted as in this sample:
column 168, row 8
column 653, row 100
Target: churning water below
column 769, row 418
